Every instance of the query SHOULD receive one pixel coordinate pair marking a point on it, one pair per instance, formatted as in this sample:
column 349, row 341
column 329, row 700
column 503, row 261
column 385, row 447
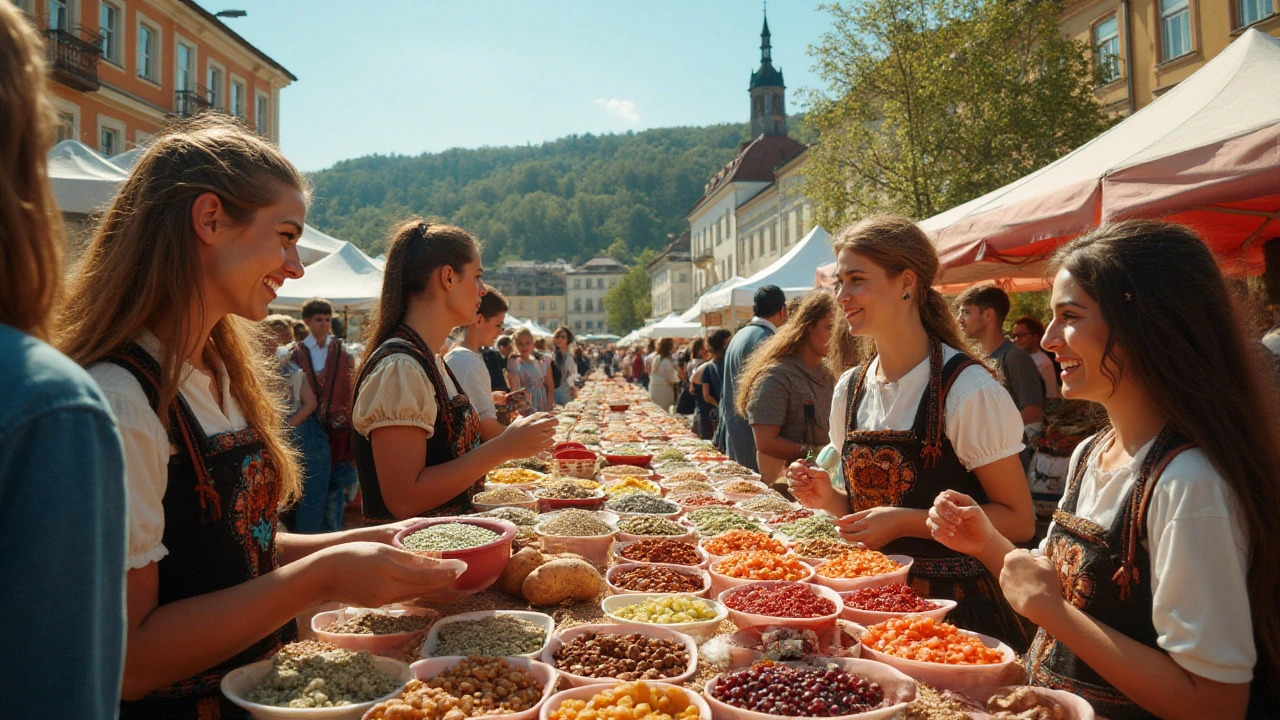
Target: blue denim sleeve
column 63, row 534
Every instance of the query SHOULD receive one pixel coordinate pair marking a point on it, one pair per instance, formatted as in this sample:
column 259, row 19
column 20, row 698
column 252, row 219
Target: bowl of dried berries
column 938, row 653
column 394, row 631
column 841, row 688
column 484, row 544
column 869, row 606
column 660, row 550
column 774, row 602
column 641, row 578
column 748, row 566
column 606, row 654
column 855, row 569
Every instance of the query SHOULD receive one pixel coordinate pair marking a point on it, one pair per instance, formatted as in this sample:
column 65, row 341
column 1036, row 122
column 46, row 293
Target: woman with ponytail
column 162, row 310
column 417, row 440
column 917, row 417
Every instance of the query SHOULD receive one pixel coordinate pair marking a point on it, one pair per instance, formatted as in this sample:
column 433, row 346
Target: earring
column 906, row 295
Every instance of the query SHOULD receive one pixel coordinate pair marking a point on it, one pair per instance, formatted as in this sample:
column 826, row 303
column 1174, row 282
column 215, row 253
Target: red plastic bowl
column 567, row 446
column 619, row 407
column 484, row 562
column 637, row 460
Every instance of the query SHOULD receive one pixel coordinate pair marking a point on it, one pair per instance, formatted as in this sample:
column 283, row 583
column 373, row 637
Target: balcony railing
column 191, row 101
column 703, row 257
column 72, row 60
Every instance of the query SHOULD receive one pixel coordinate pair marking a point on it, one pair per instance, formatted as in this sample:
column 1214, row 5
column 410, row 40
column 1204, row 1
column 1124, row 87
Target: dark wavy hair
column 1169, row 309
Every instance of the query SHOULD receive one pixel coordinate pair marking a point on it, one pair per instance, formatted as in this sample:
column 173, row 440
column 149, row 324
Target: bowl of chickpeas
column 683, row 612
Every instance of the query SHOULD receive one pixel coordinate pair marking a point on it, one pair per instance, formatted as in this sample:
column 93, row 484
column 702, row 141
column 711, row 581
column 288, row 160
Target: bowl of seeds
column 504, row 496
column 394, row 631
column 643, row 503
column 563, row 494
column 491, row 633
column 578, row 531
column 484, row 544
column 638, row 527
column 315, row 680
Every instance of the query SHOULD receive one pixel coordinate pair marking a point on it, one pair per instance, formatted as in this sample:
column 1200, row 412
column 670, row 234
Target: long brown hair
column 815, row 307
column 1171, row 314
column 30, row 226
column 896, row 244
column 142, row 270
column 417, row 249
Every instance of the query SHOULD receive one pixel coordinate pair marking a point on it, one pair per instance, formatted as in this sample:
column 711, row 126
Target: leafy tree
column 627, row 304
column 931, row 103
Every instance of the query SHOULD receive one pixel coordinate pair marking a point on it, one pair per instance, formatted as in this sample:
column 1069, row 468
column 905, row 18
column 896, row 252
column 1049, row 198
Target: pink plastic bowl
column 850, row 584
column 484, row 563
column 586, row 692
column 745, row 620
column 899, row 689
column 696, row 572
column 394, row 645
column 427, row 669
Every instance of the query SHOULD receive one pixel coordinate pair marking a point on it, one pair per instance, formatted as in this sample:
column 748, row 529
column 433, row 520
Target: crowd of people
column 157, row 423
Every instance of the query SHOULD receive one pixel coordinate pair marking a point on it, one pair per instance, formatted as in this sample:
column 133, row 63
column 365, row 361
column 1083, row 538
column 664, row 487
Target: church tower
column 768, row 93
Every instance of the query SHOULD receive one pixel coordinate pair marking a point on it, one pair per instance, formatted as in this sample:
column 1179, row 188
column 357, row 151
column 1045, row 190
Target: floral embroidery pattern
column 1068, row 557
column 878, row 476
column 253, row 511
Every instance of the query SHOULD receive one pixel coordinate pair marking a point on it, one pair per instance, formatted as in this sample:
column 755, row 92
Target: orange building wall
column 143, row 106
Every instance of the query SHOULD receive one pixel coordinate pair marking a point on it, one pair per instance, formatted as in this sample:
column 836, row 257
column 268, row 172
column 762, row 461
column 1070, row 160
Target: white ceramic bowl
column 238, row 683
column 960, row 678
column 652, row 631
column 872, row 617
column 689, row 538
column 701, row 630
column 745, row 620
column 899, row 691
column 593, row 548
column 699, row 573
column 394, row 645
column 721, row 582
column 586, row 692
column 1077, row 707
column 851, row 584
column 543, row 673
column 529, row 502
column 546, row 622
column 619, row 548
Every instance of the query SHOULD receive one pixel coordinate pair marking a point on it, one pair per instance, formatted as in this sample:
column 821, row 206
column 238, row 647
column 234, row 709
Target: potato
column 560, row 580
column 518, row 568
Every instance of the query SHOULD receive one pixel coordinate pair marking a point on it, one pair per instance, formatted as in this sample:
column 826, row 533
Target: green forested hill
column 571, row 198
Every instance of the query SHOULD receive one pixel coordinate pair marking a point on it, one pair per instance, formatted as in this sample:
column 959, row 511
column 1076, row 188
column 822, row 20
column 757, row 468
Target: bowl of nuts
column 484, row 544
column 645, row 578
column 696, row 617
column 525, row 686
column 606, row 654
column 843, row 688
column 391, row 632
column 674, row 701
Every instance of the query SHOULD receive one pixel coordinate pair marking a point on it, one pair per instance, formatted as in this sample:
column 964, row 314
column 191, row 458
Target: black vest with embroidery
column 1105, row 572
column 908, row 468
column 456, row 430
column 220, row 506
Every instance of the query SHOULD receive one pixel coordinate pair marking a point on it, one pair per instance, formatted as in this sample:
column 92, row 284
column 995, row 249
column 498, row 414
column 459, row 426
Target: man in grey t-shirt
column 733, row 435
column 981, row 315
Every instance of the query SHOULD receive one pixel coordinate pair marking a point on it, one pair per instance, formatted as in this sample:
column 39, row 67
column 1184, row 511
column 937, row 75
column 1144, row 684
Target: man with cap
column 733, row 435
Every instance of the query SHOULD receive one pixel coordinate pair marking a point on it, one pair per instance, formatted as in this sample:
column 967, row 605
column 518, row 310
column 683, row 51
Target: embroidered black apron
column 457, row 430
column 1104, row 572
column 220, row 530
column 908, row 468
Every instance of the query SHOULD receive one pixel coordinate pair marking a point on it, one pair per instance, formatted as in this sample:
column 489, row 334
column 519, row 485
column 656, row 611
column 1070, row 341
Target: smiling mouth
column 273, row 284
column 1068, row 365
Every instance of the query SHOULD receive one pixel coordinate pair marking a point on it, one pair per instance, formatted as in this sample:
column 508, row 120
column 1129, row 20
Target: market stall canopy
column 673, row 327
column 1205, row 154
column 127, row 159
column 695, row 313
column 83, row 181
column 348, row 278
column 630, row 338
column 314, row 246
column 511, row 322
column 792, row 272
column 537, row 330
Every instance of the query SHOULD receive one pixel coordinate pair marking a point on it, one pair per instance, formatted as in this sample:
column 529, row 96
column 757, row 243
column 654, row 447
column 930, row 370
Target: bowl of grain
column 495, row 633
column 484, row 544
column 392, row 632
column 271, row 690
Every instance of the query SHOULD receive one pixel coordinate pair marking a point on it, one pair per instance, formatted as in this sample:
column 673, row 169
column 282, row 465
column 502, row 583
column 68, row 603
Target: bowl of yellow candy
column 682, row 612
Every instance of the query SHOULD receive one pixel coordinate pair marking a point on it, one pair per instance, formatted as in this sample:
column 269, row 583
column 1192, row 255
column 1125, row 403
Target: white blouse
column 1199, row 559
column 398, row 392
column 982, row 422
column 146, row 441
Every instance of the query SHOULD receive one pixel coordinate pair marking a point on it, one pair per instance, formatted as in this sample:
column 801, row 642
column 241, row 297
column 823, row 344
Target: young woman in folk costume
column 417, row 435
column 161, row 311
column 917, row 417
column 1156, row 589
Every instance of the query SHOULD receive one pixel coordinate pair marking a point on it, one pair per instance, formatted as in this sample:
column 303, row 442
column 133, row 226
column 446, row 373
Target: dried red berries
column 897, row 598
column 775, row 689
column 788, row 601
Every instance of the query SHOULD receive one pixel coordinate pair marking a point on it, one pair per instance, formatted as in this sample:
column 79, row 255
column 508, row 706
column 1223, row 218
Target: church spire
column 766, row 54
column 768, row 91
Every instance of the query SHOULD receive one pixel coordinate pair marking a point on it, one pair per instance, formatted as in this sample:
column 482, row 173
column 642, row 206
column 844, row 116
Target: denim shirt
column 62, row 527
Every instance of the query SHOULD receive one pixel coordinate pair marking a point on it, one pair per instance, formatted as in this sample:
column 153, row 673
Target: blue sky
column 413, row 76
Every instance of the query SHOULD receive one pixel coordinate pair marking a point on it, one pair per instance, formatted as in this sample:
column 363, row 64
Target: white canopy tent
column 792, row 272
column 673, row 327
column 695, row 313
column 631, row 338
column 314, row 246
column 347, row 278
column 127, row 159
column 83, row 181
column 537, row 330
